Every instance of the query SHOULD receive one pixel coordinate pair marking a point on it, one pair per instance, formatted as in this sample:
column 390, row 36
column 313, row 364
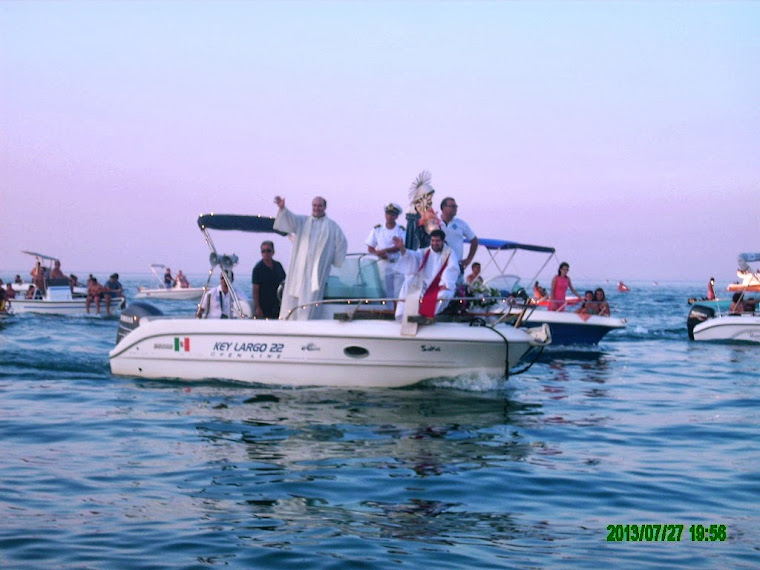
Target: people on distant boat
column 267, row 276
column 217, row 302
column 433, row 270
column 94, row 294
column 168, row 279
column 589, row 305
column 711, row 289
column 456, row 231
column 319, row 243
column 560, row 284
column 56, row 272
column 380, row 242
column 4, row 304
column 181, row 280
column 38, row 279
column 737, row 304
column 112, row 290
column 539, row 293
column 10, row 293
column 622, row 287
column 603, row 308
column 475, row 276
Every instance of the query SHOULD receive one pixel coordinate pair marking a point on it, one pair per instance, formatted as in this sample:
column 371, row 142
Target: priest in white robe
column 319, row 243
column 433, row 270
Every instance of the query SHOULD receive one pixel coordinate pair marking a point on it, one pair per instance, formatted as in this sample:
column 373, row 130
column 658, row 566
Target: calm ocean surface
column 98, row 471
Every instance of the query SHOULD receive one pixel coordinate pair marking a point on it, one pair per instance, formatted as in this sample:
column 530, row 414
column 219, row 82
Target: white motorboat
column 353, row 340
column 57, row 298
column 567, row 327
column 157, row 290
column 737, row 321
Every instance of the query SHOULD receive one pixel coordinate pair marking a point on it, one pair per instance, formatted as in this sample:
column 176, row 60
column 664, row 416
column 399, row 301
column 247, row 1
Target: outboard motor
column 130, row 317
column 698, row 314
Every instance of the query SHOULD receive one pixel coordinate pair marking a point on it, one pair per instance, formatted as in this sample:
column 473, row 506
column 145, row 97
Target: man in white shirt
column 433, row 270
column 457, row 230
column 380, row 242
column 217, row 302
column 319, row 243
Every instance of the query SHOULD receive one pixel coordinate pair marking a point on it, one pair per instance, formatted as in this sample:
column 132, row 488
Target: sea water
column 647, row 428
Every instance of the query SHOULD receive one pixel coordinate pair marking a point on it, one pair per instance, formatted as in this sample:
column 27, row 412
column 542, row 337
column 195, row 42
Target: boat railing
column 463, row 309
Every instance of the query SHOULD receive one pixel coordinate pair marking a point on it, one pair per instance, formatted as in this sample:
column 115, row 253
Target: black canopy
column 257, row 224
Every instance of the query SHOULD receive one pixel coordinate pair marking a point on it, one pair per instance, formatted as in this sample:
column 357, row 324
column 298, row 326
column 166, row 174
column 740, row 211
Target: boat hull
column 367, row 354
column 178, row 294
column 67, row 308
column 569, row 328
column 745, row 328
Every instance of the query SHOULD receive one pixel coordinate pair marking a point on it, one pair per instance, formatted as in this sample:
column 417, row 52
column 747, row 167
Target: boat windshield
column 357, row 278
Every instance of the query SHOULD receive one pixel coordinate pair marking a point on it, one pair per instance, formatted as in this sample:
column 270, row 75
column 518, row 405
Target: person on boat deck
column 266, row 278
column 380, row 242
column 456, row 230
column 433, row 270
column 94, row 293
column 539, row 293
column 10, row 293
column 56, row 272
column 319, row 243
column 38, row 279
column 737, row 304
column 475, row 276
column 18, row 280
column 588, row 306
column 181, row 280
column 4, row 304
column 168, row 279
column 711, row 289
column 560, row 284
column 217, row 302
column 603, row 308
column 112, row 290
column 29, row 292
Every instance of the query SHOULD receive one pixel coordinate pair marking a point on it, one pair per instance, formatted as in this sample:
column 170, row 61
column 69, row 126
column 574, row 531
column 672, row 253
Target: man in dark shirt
column 267, row 277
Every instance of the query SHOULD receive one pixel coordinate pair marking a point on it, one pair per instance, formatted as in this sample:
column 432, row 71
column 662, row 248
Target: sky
column 624, row 134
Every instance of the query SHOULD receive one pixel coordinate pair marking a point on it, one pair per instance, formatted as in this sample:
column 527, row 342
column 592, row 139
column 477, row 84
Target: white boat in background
column 353, row 341
column 58, row 296
column 159, row 291
column 716, row 321
column 567, row 327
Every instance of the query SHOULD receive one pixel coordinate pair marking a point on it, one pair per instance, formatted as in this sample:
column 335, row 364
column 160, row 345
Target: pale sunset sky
column 624, row 134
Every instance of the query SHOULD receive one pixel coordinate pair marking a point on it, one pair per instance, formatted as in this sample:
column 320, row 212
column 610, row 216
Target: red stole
column 430, row 298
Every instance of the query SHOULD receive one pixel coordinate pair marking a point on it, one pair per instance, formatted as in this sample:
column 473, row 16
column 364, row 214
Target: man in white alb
column 380, row 242
column 434, row 270
column 319, row 243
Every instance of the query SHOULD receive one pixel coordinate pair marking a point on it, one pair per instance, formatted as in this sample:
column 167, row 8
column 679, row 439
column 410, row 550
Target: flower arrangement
column 486, row 295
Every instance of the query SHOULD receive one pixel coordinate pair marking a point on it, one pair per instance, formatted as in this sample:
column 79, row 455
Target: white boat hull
column 176, row 293
column 729, row 328
column 364, row 354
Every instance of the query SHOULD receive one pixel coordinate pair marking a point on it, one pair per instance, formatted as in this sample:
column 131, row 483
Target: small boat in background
column 159, row 291
column 566, row 327
column 622, row 287
column 57, row 297
column 734, row 319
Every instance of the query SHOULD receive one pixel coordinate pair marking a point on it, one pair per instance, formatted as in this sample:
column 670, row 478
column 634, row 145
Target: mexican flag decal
column 181, row 344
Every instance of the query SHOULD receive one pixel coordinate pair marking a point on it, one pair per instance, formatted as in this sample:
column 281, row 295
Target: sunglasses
column 267, row 251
